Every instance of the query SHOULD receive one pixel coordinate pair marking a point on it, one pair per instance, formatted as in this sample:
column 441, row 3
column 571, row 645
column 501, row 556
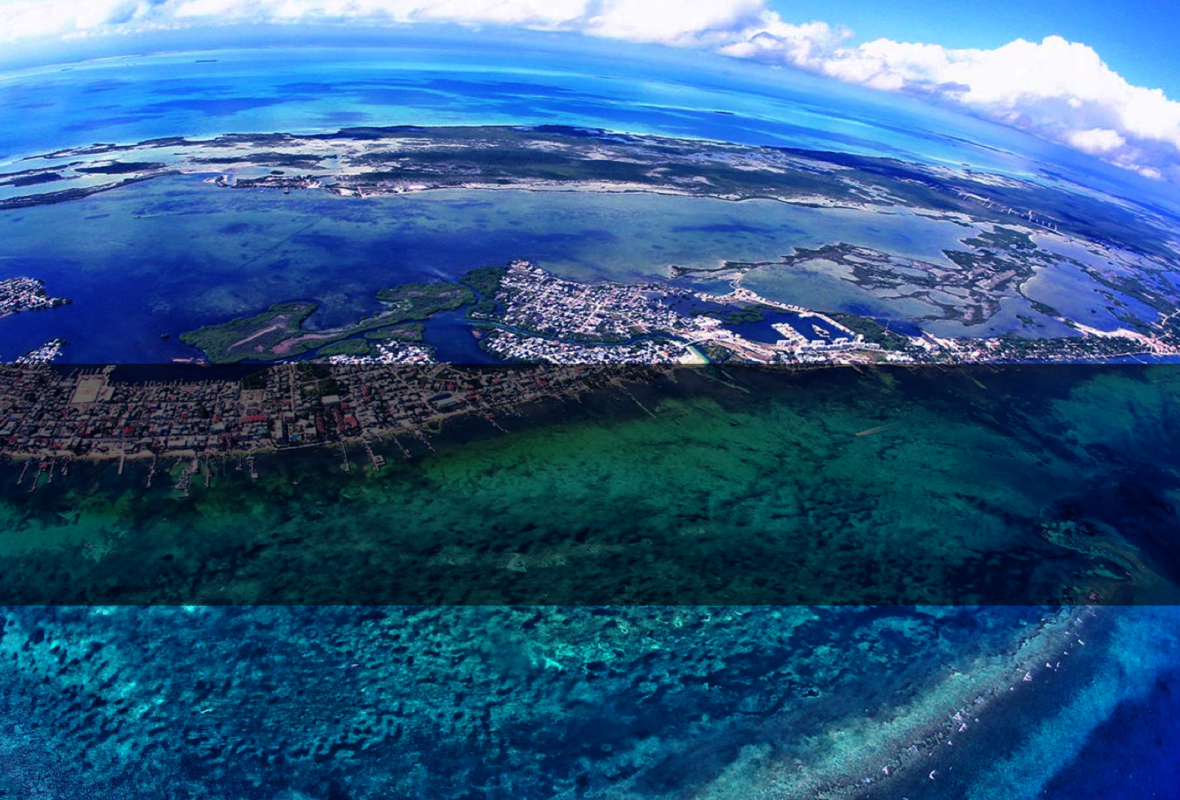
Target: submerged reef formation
column 539, row 485
column 551, row 702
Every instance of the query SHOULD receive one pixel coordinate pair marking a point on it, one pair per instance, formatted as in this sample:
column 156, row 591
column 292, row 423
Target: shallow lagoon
column 643, row 702
column 896, row 485
column 174, row 254
column 432, row 81
column 824, row 285
column 1077, row 296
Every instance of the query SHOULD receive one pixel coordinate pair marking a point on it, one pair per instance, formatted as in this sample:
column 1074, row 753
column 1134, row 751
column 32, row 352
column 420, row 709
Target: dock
column 377, row 460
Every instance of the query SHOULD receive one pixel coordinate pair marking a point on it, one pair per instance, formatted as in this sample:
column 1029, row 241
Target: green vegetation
column 504, row 161
column 1002, row 239
column 420, row 300
column 717, row 354
column 118, row 168
column 256, row 380
column 507, row 155
column 486, row 282
column 872, row 330
column 347, row 347
column 486, row 307
column 411, row 332
column 317, row 381
column 1044, row 308
column 313, row 372
column 278, row 333
column 250, row 338
column 738, row 316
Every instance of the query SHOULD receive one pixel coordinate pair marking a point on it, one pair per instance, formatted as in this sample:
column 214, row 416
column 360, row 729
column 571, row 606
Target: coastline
column 686, row 490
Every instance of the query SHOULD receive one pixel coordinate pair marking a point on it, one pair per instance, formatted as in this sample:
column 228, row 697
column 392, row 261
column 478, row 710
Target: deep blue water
column 186, row 274
column 450, row 334
column 765, row 332
column 1133, row 754
column 156, row 260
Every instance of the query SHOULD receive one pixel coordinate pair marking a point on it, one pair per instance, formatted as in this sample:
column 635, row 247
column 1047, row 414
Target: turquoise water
column 337, row 80
column 552, row 702
column 748, row 585
column 1034, row 485
column 690, row 522
column 677, row 526
column 128, row 99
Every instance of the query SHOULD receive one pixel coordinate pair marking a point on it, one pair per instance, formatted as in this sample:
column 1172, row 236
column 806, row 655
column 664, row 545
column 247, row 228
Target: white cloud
column 532, row 13
column 1096, row 140
column 672, row 21
column 1057, row 89
column 806, row 45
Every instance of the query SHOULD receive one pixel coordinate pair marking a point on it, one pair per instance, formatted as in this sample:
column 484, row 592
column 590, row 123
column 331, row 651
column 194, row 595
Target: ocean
column 842, row 584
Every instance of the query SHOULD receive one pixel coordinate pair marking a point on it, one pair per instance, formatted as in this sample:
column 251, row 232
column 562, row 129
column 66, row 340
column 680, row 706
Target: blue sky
column 1100, row 77
column 1140, row 39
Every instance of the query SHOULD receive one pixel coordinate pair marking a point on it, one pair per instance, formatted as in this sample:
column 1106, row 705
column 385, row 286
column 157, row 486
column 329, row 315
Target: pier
column 377, row 460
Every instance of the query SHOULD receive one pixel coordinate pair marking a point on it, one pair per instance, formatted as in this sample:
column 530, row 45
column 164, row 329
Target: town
column 547, row 319
column 50, row 416
column 25, row 294
column 540, row 318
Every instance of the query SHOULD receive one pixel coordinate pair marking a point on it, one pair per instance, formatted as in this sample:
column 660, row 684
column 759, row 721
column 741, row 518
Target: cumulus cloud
column 1057, row 89
column 682, row 22
column 1097, row 140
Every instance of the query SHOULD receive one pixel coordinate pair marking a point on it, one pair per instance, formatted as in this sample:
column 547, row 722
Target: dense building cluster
column 536, row 349
column 536, row 301
column 551, row 320
column 391, row 352
column 42, row 355
column 25, row 294
column 45, row 413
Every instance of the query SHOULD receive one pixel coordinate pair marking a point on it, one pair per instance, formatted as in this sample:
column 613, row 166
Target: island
column 523, row 313
column 278, row 333
column 25, row 294
column 991, row 296
column 367, row 161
